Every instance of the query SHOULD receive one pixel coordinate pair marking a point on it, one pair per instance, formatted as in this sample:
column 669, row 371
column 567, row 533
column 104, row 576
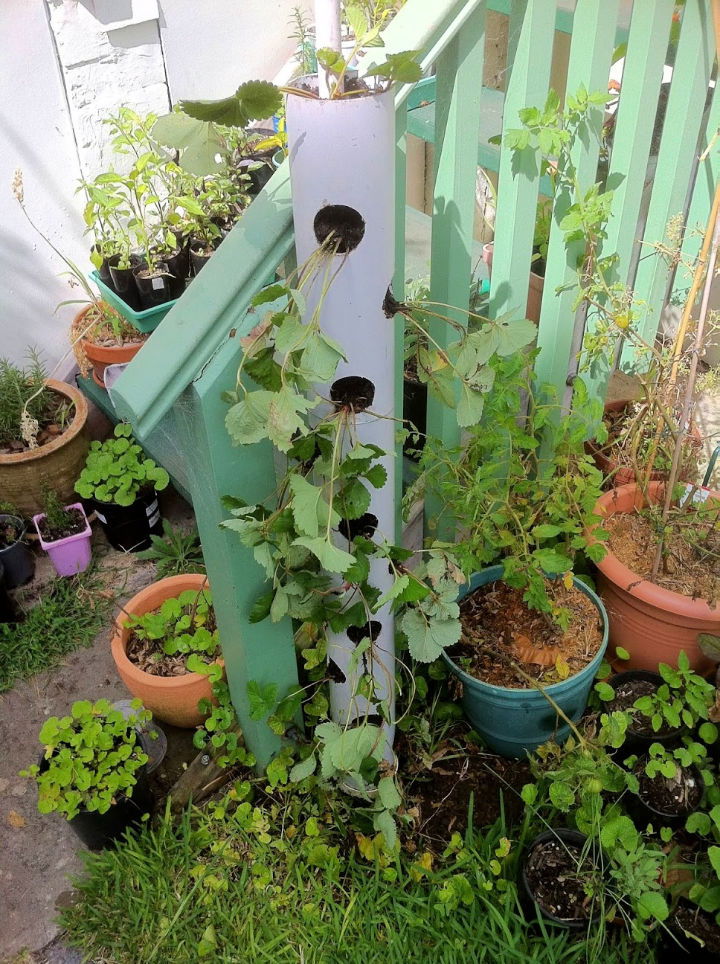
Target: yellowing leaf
column 568, row 580
column 561, row 667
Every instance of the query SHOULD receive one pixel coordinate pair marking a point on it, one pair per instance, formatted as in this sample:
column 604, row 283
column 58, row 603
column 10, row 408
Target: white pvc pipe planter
column 342, row 152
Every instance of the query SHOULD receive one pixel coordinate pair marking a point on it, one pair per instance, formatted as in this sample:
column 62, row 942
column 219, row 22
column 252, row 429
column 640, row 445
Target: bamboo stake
column 690, row 389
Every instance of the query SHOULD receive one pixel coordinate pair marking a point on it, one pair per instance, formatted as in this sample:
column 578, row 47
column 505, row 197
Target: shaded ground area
column 38, row 852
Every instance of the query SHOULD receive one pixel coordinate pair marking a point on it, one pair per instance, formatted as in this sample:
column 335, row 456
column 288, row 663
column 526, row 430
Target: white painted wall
column 63, row 69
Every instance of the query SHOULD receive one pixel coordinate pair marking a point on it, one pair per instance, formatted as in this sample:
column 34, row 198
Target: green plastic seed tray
column 146, row 320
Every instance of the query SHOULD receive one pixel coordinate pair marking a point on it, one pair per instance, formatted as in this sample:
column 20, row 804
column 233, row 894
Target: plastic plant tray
column 145, row 321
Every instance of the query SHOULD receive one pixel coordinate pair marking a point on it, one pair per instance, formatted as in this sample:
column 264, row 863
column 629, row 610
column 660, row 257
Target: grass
column 207, row 890
column 69, row 615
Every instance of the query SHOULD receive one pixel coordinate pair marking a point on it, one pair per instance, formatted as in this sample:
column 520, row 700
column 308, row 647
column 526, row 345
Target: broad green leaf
column 306, row 505
column 427, row 636
column 331, row 558
column 514, row 335
column 262, row 699
column 470, row 406
column 388, row 793
column 303, row 769
column 385, row 824
column 652, row 904
column 561, row 796
column 283, row 419
column 202, row 147
column 247, row 422
column 320, row 359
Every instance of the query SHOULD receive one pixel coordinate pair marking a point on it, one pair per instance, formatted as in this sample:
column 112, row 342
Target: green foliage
column 684, row 699
column 522, row 490
column 22, row 389
column 175, row 553
column 219, row 734
column 184, row 625
column 253, row 100
column 69, row 615
column 92, row 756
column 117, row 471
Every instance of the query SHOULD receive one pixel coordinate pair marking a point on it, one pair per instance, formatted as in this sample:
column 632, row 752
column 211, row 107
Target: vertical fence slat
column 518, row 191
column 708, row 172
column 641, row 79
column 591, row 50
column 691, row 74
column 459, row 81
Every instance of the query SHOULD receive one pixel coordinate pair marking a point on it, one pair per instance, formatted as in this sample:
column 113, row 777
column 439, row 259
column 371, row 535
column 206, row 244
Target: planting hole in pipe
column 335, row 674
column 365, row 526
column 371, row 719
column 356, row 634
column 342, row 224
column 353, row 392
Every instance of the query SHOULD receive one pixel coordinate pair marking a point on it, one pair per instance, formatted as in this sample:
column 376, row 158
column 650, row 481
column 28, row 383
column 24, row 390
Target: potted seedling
column 17, row 560
column 42, row 434
column 560, row 878
column 166, row 648
column 521, row 492
column 65, row 535
column 92, row 771
column 121, row 484
column 670, row 784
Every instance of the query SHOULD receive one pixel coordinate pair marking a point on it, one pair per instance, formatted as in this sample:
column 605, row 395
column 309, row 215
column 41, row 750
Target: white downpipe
column 327, row 33
column 342, row 152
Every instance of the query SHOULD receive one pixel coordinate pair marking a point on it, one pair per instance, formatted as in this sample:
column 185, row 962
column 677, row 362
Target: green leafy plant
column 220, row 734
column 25, row 402
column 183, row 625
column 174, row 553
column 91, row 758
column 117, row 471
column 522, row 490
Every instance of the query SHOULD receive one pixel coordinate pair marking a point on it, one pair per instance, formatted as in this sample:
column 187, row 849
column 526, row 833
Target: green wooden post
column 518, row 189
column 590, row 55
column 691, row 75
column 399, row 293
column 459, row 79
column 516, row 19
column 642, row 75
column 263, row 652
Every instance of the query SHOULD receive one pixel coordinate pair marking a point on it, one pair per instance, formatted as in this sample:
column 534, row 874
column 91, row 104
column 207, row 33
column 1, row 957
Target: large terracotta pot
column 617, row 474
column 100, row 356
column 55, row 465
column 653, row 624
column 172, row 699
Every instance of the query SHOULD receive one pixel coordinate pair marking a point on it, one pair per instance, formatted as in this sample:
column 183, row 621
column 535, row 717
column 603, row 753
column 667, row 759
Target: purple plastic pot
column 72, row 554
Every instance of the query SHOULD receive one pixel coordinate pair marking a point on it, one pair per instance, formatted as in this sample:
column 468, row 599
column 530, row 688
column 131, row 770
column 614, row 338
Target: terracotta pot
column 653, row 624
column 617, row 474
column 171, row 699
column 101, row 356
column 535, row 289
column 55, row 465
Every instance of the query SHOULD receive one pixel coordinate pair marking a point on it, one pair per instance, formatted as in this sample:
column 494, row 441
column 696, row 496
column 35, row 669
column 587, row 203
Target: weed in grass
column 69, row 615
column 241, row 889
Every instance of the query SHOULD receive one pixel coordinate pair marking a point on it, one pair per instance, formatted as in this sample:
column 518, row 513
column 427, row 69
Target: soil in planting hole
column 353, row 392
column 626, row 693
column 699, row 923
column 356, row 634
column 365, row 526
column 692, row 553
column 74, row 523
column 498, row 630
column 558, row 874
column 671, row 795
column 343, row 225
column 439, row 783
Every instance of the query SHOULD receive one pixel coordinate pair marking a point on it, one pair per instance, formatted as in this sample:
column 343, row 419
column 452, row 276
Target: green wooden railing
column 171, row 392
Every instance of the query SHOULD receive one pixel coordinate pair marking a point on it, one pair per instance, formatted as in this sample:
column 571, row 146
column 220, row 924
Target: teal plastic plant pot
column 515, row 722
column 146, row 320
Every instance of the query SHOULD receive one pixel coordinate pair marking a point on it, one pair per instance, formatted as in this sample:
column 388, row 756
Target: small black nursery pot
column 555, row 871
column 16, row 556
column 128, row 527
column 154, row 287
column 628, row 688
column 123, row 282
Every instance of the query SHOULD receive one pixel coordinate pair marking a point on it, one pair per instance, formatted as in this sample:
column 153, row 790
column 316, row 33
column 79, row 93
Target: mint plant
column 184, row 625
column 91, row 758
column 117, row 471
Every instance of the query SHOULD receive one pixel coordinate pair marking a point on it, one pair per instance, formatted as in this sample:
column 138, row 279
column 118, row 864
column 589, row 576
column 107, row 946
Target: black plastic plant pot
column 644, row 811
column 123, row 282
column 685, row 929
column 638, row 740
column 155, row 288
column 128, row 527
column 8, row 613
column 178, row 267
column 100, row 830
column 560, row 852
column 17, row 559
column 104, row 271
column 198, row 259
column 414, row 411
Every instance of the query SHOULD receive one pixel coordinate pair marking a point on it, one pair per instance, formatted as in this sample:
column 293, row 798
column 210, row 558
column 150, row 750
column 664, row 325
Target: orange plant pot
column 172, row 699
column 100, row 356
column 653, row 624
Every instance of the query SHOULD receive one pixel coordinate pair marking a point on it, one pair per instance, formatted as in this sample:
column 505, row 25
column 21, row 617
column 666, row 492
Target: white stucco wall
column 64, row 68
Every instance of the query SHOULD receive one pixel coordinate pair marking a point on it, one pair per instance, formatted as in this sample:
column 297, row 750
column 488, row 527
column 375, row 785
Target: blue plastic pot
column 515, row 722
